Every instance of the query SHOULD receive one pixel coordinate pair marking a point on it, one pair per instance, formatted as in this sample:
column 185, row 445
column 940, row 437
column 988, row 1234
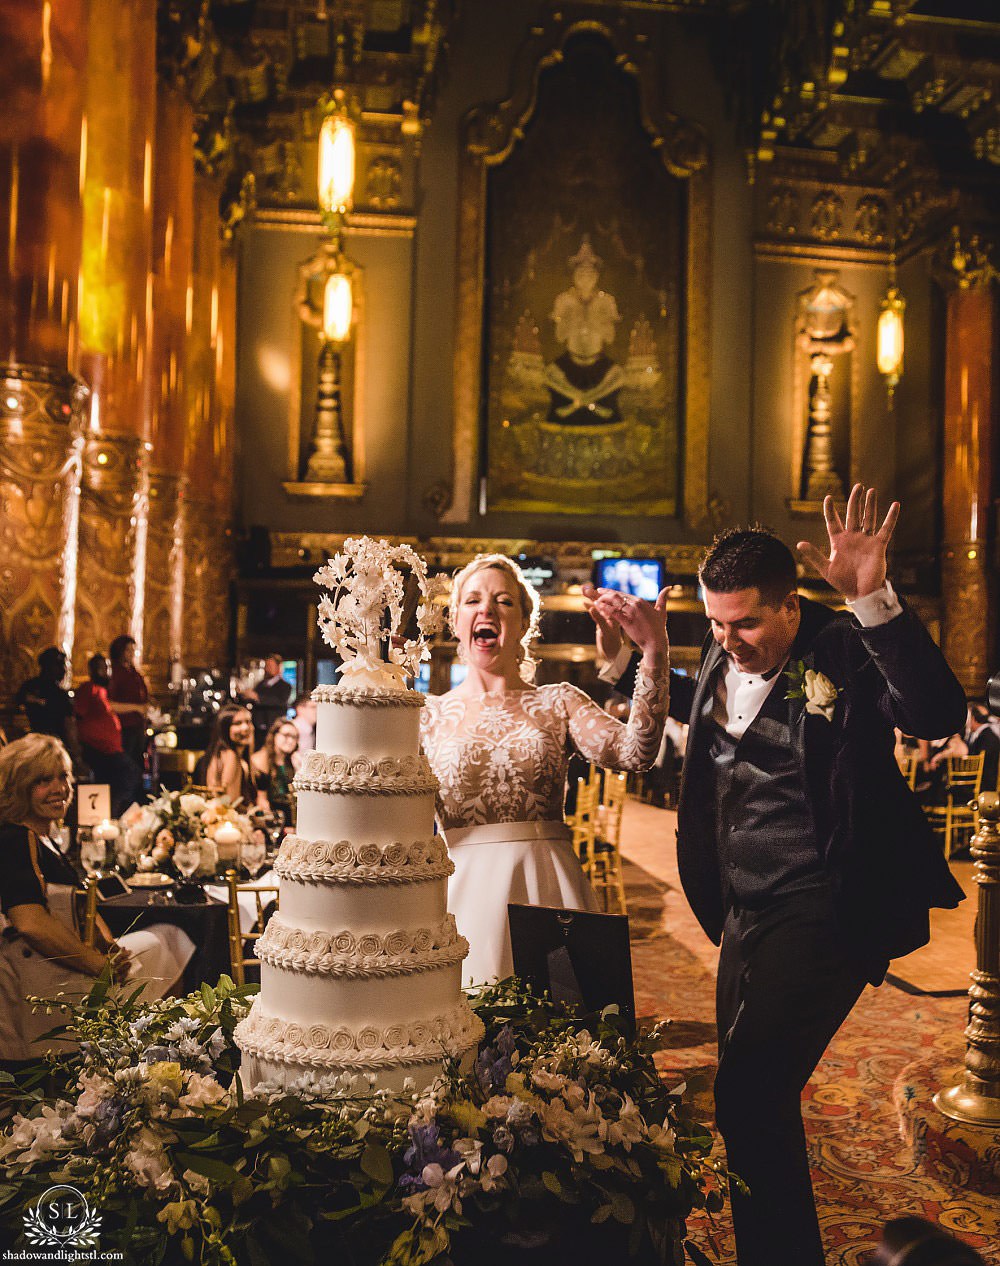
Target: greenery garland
column 562, row 1133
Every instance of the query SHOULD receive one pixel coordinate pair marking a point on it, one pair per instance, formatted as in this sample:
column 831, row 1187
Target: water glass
column 187, row 859
column 93, row 853
column 253, row 852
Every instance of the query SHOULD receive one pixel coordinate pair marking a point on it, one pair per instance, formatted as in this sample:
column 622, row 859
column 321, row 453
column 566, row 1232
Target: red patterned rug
column 865, row 1170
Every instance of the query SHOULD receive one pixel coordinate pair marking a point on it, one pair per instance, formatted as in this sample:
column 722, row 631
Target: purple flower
column 425, row 1149
column 160, row 1054
column 492, row 1073
column 506, row 1042
column 109, row 1115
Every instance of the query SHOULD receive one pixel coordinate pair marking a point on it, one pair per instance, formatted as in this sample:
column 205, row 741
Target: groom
column 799, row 846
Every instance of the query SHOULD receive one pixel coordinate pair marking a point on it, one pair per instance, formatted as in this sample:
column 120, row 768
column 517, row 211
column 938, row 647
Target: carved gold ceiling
column 899, row 99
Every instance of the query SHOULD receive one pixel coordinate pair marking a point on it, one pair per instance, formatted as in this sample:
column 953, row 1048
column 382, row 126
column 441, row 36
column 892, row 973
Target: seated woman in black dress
column 41, row 952
column 274, row 767
column 225, row 766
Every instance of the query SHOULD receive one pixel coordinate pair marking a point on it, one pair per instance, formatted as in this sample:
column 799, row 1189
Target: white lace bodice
column 503, row 758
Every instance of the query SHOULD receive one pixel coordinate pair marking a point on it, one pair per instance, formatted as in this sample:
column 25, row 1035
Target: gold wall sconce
column 889, row 335
column 326, row 301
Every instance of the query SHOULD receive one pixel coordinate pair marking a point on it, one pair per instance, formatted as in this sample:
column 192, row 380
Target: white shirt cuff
column 873, row 609
column 613, row 671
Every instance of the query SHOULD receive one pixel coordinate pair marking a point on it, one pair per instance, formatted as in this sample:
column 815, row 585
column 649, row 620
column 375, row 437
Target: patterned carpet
column 864, row 1170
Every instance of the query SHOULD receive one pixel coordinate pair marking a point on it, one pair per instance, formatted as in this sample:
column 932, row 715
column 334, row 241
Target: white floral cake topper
column 362, row 618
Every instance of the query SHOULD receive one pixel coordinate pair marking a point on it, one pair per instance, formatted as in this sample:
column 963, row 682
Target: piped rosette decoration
column 150, row 834
column 362, row 617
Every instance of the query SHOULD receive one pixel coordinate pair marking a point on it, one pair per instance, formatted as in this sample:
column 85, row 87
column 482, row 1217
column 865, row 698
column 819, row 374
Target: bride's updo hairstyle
column 530, row 603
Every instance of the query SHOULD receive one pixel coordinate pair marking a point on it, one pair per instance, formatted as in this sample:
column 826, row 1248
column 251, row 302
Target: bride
column 499, row 747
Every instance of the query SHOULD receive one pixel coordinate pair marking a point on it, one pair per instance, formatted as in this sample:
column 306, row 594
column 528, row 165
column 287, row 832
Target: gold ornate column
column 170, row 277
column 967, row 580
column 221, row 559
column 43, row 69
column 203, row 641
column 117, row 227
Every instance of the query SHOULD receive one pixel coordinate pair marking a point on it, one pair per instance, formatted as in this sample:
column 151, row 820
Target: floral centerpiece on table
column 151, row 832
column 562, row 1143
column 362, row 619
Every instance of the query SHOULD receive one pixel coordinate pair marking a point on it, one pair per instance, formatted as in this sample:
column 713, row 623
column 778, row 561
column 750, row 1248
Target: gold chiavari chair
column 266, row 902
column 908, row 767
column 88, row 905
column 958, row 817
column 606, row 867
column 583, row 820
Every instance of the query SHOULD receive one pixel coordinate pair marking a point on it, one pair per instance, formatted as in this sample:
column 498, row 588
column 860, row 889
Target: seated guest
column 101, row 737
column 225, row 767
column 981, row 739
column 269, row 697
column 41, row 952
column 129, row 697
column 46, row 706
column 274, row 767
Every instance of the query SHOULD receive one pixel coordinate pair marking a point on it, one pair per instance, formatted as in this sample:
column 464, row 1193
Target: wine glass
column 253, row 852
column 187, row 858
column 93, row 852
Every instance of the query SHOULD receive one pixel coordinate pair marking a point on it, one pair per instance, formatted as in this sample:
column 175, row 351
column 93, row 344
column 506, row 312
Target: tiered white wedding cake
column 361, row 965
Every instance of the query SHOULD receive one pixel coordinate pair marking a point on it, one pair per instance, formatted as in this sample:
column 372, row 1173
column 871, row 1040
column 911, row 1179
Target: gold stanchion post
column 975, row 1098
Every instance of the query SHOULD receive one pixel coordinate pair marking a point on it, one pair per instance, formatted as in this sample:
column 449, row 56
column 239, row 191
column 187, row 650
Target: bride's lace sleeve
column 612, row 744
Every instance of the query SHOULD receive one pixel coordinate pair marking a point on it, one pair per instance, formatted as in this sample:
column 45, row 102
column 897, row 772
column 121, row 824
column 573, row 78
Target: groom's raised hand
column 856, row 565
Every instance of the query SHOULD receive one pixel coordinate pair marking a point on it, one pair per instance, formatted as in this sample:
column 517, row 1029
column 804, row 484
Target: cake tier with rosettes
column 372, row 905
column 389, row 1051
column 361, row 965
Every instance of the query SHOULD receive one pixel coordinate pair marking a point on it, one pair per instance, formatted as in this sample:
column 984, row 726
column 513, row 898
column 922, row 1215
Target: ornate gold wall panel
column 109, row 492
column 489, row 135
column 41, row 415
column 293, row 549
column 162, row 610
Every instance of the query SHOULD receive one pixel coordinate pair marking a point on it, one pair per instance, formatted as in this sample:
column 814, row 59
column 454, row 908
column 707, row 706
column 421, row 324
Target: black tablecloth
column 206, row 923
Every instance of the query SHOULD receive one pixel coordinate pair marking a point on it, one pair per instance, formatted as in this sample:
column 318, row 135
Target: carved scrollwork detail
column 41, row 418
column 965, row 261
column 827, row 215
column 871, row 219
column 783, row 210
column 384, row 183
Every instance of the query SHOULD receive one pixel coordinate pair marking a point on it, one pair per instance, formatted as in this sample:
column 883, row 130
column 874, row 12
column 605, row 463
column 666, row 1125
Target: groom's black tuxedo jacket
column 883, row 864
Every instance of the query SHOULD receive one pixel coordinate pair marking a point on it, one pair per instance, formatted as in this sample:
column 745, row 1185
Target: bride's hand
column 609, row 638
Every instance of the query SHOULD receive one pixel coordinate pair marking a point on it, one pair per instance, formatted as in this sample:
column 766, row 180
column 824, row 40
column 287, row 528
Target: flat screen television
column 642, row 577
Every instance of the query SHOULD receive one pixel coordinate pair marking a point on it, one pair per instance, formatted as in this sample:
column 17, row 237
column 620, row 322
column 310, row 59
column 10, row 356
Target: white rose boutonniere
column 816, row 688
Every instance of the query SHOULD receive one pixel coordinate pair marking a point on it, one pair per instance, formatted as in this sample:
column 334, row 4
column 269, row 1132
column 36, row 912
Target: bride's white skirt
column 521, row 863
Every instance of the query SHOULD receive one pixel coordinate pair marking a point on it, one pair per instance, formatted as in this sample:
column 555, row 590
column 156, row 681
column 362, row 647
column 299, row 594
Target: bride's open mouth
column 486, row 637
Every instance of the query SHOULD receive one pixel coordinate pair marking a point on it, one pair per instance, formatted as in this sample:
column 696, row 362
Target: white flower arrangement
column 557, row 1126
column 150, row 833
column 368, row 583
